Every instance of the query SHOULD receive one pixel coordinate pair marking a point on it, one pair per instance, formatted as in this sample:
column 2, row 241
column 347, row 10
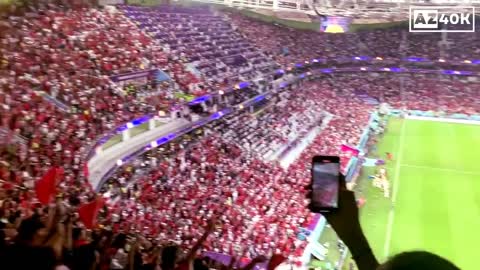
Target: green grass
column 435, row 181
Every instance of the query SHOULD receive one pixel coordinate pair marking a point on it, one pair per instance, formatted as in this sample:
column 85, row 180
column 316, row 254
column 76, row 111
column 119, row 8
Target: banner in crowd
column 139, row 75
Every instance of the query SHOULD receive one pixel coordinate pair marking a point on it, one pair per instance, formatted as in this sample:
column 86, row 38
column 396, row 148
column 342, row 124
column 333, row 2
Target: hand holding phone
column 325, row 185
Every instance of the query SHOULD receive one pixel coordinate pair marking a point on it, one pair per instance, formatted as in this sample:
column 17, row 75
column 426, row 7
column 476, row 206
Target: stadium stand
column 57, row 98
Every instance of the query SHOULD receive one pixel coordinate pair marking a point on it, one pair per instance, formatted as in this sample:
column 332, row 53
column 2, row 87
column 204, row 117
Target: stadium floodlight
column 154, row 144
column 363, row 69
column 379, row 58
column 467, row 61
column 240, row 106
column 221, row 92
column 129, row 125
column 441, row 60
column 119, row 162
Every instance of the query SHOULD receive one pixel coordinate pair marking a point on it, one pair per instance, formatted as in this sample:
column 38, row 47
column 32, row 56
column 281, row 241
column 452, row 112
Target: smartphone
column 325, row 183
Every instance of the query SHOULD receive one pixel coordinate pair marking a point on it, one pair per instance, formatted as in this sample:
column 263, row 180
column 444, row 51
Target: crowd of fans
column 276, row 124
column 289, row 46
column 221, row 173
column 56, row 99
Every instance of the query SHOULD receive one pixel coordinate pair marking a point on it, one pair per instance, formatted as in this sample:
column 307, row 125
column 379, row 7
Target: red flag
column 349, row 149
column 45, row 188
column 85, row 170
column 88, row 212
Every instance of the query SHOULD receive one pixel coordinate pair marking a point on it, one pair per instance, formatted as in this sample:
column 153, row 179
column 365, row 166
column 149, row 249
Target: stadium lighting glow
column 129, row 125
column 467, row 61
column 307, row 62
column 98, row 149
column 334, row 28
column 456, row 72
column 161, row 113
column 243, row 85
column 119, row 162
column 257, row 99
column 386, row 69
column 221, row 92
column 363, row 69
column 441, row 60
column 240, row 106
column 309, row 73
column 315, row 60
column 140, row 120
column 199, row 100
column 415, row 59
column 357, row 58
column 379, row 58
column 154, row 144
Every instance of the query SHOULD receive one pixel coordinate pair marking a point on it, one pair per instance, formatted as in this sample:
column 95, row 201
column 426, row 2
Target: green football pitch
column 435, row 192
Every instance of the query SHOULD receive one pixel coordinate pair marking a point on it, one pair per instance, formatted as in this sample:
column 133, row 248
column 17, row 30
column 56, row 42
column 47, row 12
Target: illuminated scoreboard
column 335, row 24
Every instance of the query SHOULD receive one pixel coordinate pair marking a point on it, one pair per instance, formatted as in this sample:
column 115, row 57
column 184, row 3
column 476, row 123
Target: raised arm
column 198, row 244
column 346, row 223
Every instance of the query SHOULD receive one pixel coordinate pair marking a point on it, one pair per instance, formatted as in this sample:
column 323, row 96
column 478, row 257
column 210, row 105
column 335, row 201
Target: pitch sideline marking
column 396, row 184
column 440, row 169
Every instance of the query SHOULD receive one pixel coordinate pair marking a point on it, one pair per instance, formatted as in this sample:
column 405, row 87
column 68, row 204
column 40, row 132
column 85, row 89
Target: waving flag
column 88, row 212
column 45, row 188
column 349, row 149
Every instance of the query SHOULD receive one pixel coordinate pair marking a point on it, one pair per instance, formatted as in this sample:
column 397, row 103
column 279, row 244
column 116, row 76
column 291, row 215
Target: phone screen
column 325, row 183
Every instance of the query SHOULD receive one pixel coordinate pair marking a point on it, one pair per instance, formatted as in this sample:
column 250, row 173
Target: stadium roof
column 390, row 10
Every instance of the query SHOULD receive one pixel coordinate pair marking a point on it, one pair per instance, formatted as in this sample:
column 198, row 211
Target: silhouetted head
column 417, row 260
column 169, row 257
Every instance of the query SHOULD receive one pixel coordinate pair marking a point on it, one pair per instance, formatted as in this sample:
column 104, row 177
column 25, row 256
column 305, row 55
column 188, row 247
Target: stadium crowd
column 56, row 99
column 289, row 46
